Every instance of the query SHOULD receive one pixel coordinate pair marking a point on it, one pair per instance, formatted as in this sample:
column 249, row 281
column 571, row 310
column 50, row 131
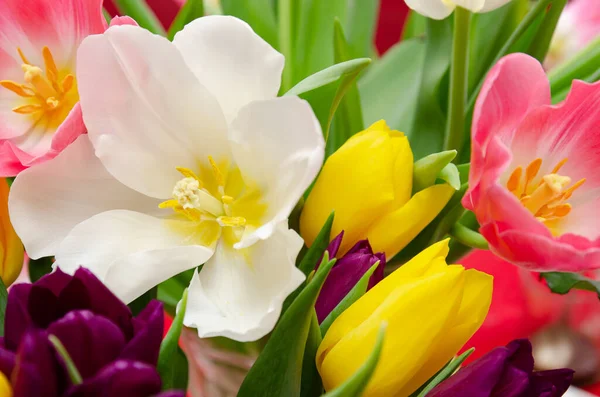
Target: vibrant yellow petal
column 417, row 315
column 403, row 171
column 394, row 231
column 474, row 306
column 11, row 252
column 5, row 389
column 357, row 183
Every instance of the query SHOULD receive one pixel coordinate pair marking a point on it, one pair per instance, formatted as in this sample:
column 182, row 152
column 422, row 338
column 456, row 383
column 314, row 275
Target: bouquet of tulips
column 250, row 201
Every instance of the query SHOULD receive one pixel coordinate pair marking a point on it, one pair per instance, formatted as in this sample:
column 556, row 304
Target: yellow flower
column 11, row 249
column 431, row 310
column 5, row 389
column 368, row 183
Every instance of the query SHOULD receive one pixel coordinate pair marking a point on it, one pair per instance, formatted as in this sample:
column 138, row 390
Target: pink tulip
column 534, row 183
column 39, row 102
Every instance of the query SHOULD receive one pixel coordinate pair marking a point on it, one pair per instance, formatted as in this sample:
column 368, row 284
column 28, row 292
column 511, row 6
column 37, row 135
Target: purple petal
column 361, row 247
column 148, row 332
column 17, row 319
column 334, row 245
column 344, row 276
column 37, row 372
column 378, row 273
column 553, row 383
column 7, row 361
column 476, row 379
column 171, row 393
column 55, row 281
column 42, row 306
column 105, row 302
column 522, row 354
column 120, row 378
column 92, row 340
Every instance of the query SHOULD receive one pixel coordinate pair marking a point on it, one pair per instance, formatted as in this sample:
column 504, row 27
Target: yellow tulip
column 368, row 183
column 11, row 248
column 431, row 310
column 5, row 389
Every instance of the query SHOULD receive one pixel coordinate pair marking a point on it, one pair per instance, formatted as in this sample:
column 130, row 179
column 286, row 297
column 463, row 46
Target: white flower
column 440, row 9
column 190, row 158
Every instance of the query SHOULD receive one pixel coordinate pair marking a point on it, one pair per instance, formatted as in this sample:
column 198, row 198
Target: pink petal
column 515, row 85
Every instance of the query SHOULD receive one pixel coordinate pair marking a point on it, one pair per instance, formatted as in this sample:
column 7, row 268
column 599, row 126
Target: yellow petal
column 403, row 171
column 418, row 315
column 5, row 389
column 474, row 306
column 357, row 183
column 394, row 231
column 11, row 254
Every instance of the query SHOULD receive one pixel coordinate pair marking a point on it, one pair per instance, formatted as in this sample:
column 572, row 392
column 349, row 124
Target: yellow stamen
column 531, row 171
column 186, row 172
column 227, row 199
column 232, row 221
column 552, row 187
column 569, row 192
column 34, row 76
column 52, row 103
column 67, row 83
column 27, row 109
column 51, row 69
column 172, row 203
column 19, row 89
column 515, row 179
column 559, row 165
column 23, row 56
column 216, row 172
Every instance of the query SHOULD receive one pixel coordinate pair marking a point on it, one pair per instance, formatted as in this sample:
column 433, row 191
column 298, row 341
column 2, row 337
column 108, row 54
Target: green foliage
column 191, row 10
column 257, row 13
column 311, row 384
column 427, row 169
column 318, row 247
column 141, row 12
column 277, row 372
column 562, row 283
column 170, row 365
column 142, row 301
column 444, row 374
column 40, row 267
column 355, row 386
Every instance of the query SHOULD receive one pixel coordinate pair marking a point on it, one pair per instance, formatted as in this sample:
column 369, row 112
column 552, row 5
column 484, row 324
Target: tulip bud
column 368, row 182
column 431, row 309
column 11, row 249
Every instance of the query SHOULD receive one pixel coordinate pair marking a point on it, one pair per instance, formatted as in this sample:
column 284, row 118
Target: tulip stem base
column 455, row 125
column 468, row 237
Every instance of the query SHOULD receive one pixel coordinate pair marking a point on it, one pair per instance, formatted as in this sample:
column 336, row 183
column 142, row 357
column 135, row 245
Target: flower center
column 547, row 197
column 217, row 199
column 46, row 97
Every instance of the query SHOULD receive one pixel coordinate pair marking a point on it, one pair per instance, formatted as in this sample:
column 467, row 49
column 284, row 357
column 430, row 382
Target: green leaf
column 169, row 346
column 311, row 380
column 142, row 301
column 468, row 237
column 414, row 26
column 450, row 175
column 541, row 42
column 348, row 120
column 191, row 10
column 288, row 11
column 331, row 74
column 355, row 293
column 389, row 88
column 259, row 14
column 360, row 27
column 141, row 12
column 561, row 283
column 170, row 291
column 40, row 267
column 355, row 386
column 72, row 370
column 445, row 373
column 427, row 132
column 583, row 64
column 427, row 169
column 277, row 371
column 3, row 302
column 318, row 247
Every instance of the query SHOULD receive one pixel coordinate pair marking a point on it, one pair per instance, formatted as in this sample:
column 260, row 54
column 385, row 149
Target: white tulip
column 440, row 9
column 190, row 159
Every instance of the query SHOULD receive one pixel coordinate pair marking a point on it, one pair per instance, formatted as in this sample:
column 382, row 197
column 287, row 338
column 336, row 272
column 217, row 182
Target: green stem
column 583, row 64
column 458, row 80
column 539, row 7
column 541, row 41
column 285, row 17
column 468, row 237
column 72, row 370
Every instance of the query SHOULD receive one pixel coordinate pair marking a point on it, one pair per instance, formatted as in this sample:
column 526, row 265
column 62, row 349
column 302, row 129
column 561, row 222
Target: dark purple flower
column 114, row 352
column 505, row 372
column 346, row 272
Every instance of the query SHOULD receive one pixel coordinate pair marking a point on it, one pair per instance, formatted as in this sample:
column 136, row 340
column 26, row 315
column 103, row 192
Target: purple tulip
column 346, row 272
column 505, row 372
column 114, row 352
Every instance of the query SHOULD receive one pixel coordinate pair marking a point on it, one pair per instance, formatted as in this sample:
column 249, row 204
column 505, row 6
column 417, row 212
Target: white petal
column 145, row 111
column 130, row 252
column 278, row 144
column 436, row 9
column 48, row 200
column 491, row 5
column 239, row 294
column 232, row 61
